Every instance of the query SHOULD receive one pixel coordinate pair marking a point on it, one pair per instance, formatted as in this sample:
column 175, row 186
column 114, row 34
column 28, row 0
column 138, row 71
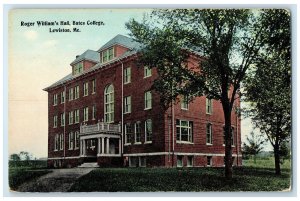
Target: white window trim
column 71, row 91
column 55, row 99
column 187, row 161
column 85, row 89
column 85, row 114
column 64, row 118
column 135, row 142
column 149, row 107
column 211, row 139
column 127, row 76
column 62, row 94
column 55, row 121
column 148, row 141
column 146, row 76
column 190, row 128
column 71, row 142
column 127, row 143
column 71, row 114
column 76, row 122
column 183, row 103
column 211, row 106
column 94, row 112
column 94, row 86
column 210, row 161
column 76, row 139
column 75, row 94
column 126, row 103
column 112, row 102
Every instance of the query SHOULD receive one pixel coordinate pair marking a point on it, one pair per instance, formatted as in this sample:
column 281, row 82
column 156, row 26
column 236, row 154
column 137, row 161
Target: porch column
column 99, row 146
column 84, row 147
column 119, row 145
column 80, row 147
column 102, row 145
column 107, row 145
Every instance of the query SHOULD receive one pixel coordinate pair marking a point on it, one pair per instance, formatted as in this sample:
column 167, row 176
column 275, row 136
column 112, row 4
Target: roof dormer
column 84, row 61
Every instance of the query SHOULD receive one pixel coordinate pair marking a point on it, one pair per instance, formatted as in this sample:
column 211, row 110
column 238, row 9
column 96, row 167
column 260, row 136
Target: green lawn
column 186, row 179
column 21, row 172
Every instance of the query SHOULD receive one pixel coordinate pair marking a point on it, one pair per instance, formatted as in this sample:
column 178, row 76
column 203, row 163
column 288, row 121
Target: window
column 93, row 86
column 185, row 103
column 147, row 71
column 128, row 133
column 127, row 104
column 55, row 121
column 61, row 141
column 179, row 161
column 71, row 140
column 62, row 97
column 208, row 133
column 132, row 161
column 56, row 142
column 107, row 55
column 76, row 92
column 190, row 161
column 127, row 75
column 78, row 68
column 86, row 114
column 71, row 118
column 184, row 131
column 148, row 100
column 148, row 130
column 208, row 106
column 76, row 140
column 76, row 116
column 209, row 161
column 137, row 132
column 55, row 99
column 94, row 112
column 86, row 89
column 142, row 161
column 62, row 119
column 109, row 104
column 70, row 94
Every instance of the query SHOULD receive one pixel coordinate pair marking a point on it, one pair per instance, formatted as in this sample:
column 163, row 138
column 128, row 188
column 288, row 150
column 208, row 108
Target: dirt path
column 60, row 180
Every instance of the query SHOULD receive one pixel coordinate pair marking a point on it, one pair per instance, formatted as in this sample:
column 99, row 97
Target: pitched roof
column 121, row 40
column 87, row 55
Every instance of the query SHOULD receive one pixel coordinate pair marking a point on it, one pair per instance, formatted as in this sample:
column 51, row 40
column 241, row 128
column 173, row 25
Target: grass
column 20, row 173
column 183, row 179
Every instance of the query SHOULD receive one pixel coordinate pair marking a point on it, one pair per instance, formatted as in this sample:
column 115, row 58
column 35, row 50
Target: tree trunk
column 228, row 149
column 277, row 158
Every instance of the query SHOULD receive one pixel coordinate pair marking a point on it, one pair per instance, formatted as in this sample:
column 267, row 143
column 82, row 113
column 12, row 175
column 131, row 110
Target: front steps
column 89, row 165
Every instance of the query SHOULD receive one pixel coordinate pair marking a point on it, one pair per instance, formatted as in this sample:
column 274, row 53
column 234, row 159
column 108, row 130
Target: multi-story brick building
column 105, row 112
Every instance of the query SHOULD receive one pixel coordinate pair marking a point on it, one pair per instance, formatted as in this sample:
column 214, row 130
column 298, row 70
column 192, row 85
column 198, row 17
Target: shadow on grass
column 191, row 179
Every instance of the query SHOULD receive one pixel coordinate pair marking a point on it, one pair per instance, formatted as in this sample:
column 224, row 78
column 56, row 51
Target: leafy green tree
column 224, row 43
column 269, row 84
column 253, row 145
column 15, row 157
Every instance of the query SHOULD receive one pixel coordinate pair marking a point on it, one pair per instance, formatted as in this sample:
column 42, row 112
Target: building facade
column 105, row 112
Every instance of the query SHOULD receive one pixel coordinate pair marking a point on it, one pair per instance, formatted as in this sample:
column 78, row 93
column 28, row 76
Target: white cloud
column 50, row 43
column 30, row 35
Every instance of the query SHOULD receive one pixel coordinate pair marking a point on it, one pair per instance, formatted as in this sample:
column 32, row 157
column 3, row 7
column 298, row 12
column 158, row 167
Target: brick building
column 105, row 112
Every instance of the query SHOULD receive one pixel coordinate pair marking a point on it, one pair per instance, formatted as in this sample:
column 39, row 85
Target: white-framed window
column 209, row 161
column 128, row 133
column 86, row 89
column 85, row 114
column 71, row 140
column 148, row 130
column 179, row 161
column 185, row 103
column 184, row 131
column 61, row 142
column 62, row 119
column 71, row 95
column 55, row 99
column 127, row 75
column 109, row 104
column 107, row 55
column 71, row 117
column 208, row 106
column 76, row 139
column 62, row 97
column 55, row 121
column 147, row 71
column 209, row 133
column 78, row 68
column 148, row 100
column 137, row 132
column 133, row 161
column 94, row 112
column 142, row 161
column 56, row 142
column 76, row 116
column 190, row 161
column 93, row 86
column 76, row 92
column 127, row 104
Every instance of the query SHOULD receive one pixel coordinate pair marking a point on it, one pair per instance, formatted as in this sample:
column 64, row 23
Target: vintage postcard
column 149, row 100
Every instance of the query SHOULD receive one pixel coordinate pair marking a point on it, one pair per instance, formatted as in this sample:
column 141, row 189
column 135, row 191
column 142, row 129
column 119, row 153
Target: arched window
column 109, row 103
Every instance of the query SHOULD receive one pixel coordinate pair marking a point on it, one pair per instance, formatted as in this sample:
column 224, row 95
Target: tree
column 269, row 85
column 253, row 145
column 225, row 42
column 15, row 157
